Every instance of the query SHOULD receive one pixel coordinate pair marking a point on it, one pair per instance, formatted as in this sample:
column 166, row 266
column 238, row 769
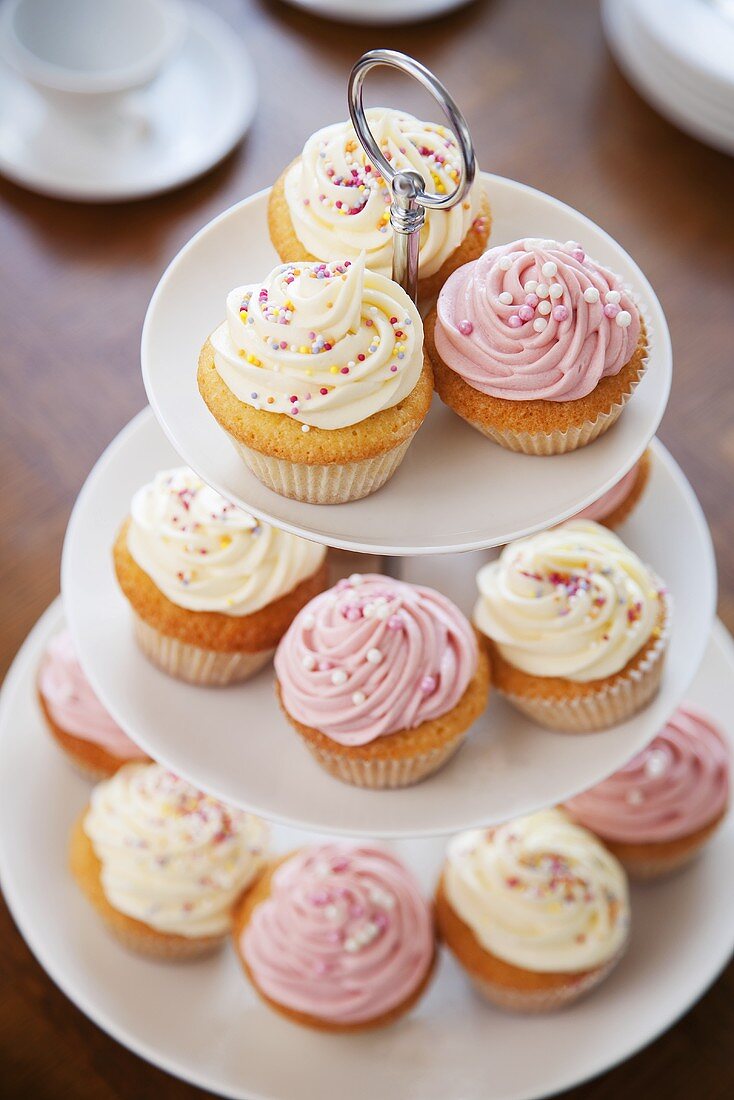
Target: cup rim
column 57, row 78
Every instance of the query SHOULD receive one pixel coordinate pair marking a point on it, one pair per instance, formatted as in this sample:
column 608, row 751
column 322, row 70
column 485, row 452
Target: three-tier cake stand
column 455, row 500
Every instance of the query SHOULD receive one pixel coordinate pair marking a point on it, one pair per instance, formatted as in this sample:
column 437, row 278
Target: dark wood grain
column 547, row 106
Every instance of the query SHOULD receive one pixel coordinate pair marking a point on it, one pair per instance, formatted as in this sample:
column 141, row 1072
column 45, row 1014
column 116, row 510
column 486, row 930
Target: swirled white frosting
column 328, row 344
column 340, row 205
column 540, row 893
column 573, row 602
column 171, row 856
column 205, row 554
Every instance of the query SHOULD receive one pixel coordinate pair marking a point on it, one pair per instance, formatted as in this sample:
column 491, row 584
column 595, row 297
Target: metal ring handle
column 393, row 59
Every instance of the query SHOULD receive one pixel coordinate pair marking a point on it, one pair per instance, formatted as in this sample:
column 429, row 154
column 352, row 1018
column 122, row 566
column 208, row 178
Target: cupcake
column 212, row 589
column 576, row 627
column 76, row 719
column 319, row 378
column 381, row 679
column 331, row 204
column 617, row 504
column 337, row 938
column 658, row 811
column 536, row 911
column 536, row 346
column 162, row 863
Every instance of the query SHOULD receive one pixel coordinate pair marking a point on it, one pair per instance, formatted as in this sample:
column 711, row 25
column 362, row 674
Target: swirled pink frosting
column 535, row 319
column 345, row 934
column 675, row 786
column 610, row 500
column 73, row 705
column 373, row 656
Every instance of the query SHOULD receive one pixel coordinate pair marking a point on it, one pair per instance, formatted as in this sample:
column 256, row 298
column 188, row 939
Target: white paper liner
column 205, row 667
column 86, row 771
column 611, row 704
column 384, row 774
column 153, row 947
column 558, row 442
column 544, row 1000
column 334, row 483
column 645, row 868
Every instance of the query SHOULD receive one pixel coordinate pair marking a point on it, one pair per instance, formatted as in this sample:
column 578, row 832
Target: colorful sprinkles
column 270, row 312
column 543, row 302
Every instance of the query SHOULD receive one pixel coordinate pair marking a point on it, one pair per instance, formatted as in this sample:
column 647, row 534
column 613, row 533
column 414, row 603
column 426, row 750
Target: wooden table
column 546, row 106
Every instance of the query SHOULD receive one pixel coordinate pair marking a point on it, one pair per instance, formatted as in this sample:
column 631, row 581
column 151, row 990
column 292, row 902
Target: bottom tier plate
column 201, row 1021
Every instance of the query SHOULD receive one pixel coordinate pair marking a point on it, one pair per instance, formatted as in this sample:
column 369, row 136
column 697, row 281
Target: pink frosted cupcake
column 381, row 679
column 615, row 506
column 536, row 345
column 337, row 938
column 658, row 811
column 75, row 717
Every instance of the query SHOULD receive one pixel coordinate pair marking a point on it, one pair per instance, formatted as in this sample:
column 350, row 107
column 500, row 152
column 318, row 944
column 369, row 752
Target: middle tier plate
column 455, row 490
column 234, row 742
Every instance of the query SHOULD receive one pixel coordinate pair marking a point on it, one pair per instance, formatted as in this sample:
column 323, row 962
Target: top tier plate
column 455, row 490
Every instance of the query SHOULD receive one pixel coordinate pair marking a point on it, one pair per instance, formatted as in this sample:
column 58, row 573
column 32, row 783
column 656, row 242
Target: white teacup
column 86, row 57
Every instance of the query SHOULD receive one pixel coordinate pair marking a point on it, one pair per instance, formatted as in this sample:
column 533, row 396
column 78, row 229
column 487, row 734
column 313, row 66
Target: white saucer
column 236, row 743
column 380, row 13
column 198, row 109
column 202, row 1022
column 479, row 495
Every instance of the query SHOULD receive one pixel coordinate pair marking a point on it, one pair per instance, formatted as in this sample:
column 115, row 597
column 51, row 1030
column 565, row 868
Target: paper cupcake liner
column 86, row 771
column 173, row 948
column 613, row 703
column 543, row 1000
column 645, row 868
column 384, row 774
column 335, row 483
column 560, row 442
column 195, row 665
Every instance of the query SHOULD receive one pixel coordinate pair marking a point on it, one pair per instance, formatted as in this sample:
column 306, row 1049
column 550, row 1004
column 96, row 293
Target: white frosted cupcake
column 535, row 911
column 331, row 204
column 212, row 589
column 318, row 377
column 576, row 627
column 164, row 864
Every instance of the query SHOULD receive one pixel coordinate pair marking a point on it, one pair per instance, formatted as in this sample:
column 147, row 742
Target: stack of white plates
column 680, row 56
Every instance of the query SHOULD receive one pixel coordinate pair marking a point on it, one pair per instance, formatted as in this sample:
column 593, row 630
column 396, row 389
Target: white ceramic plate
column 235, row 742
column 686, row 98
column 697, row 35
column 202, row 1022
column 479, row 495
column 378, row 12
column 197, row 110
